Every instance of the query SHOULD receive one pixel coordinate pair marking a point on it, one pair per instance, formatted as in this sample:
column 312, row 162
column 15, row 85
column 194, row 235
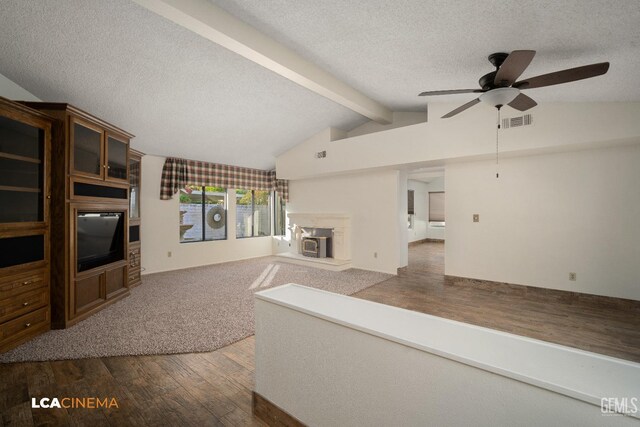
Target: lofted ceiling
column 183, row 95
column 180, row 94
column 393, row 50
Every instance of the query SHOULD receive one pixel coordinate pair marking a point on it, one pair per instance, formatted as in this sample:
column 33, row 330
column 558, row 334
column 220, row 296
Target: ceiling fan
column 499, row 87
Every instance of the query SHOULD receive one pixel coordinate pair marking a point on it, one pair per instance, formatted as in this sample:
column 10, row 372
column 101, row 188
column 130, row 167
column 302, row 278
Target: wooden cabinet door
column 116, row 281
column 86, row 149
column 24, row 168
column 134, row 186
column 88, row 293
column 117, row 158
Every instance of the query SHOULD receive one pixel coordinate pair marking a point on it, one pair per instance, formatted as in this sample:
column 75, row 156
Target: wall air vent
column 514, row 122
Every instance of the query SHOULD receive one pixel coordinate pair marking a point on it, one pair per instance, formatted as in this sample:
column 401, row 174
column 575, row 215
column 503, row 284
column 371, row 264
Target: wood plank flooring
column 604, row 325
column 211, row 389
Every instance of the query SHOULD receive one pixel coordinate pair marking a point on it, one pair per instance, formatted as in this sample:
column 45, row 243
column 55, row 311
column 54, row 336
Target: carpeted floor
column 191, row 310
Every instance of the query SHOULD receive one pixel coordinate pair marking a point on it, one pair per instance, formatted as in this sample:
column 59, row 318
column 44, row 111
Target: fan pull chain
column 497, row 132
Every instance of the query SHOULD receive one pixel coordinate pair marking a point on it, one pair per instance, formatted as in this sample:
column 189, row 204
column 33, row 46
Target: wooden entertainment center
column 25, row 171
column 73, row 203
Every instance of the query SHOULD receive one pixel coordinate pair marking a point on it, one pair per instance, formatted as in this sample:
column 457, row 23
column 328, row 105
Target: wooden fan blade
column 450, row 92
column 461, row 108
column 564, row 76
column 513, row 66
column 522, row 102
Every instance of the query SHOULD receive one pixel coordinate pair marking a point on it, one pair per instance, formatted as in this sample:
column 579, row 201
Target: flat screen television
column 100, row 239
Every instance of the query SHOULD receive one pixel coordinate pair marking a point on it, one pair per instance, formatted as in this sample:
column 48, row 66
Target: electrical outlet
column 572, row 276
column 476, row 217
column 375, row 254
column 169, row 254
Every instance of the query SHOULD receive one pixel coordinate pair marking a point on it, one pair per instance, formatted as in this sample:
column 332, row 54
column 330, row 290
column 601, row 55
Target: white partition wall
column 328, row 360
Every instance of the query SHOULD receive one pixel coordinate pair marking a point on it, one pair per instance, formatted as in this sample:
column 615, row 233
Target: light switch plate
column 476, row 218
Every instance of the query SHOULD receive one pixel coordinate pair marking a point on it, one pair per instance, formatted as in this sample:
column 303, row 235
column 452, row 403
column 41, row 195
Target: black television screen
column 100, row 238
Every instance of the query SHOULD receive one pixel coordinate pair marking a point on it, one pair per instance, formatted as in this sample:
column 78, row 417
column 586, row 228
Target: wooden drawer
column 22, row 284
column 17, row 331
column 134, row 277
column 134, row 257
column 23, row 303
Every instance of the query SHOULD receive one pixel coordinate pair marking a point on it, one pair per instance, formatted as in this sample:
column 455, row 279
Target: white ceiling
column 185, row 96
column 180, row 94
column 393, row 50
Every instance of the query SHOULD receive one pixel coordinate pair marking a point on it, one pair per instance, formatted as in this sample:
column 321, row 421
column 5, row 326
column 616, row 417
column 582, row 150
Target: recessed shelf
column 21, row 189
column 21, row 158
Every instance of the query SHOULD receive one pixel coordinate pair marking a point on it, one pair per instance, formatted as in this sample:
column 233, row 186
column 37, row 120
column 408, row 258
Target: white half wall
column 421, row 229
column 372, row 201
column 10, row 90
column 332, row 360
column 160, row 230
column 546, row 216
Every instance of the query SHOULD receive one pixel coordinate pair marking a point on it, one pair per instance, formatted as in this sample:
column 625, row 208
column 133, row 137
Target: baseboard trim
column 272, row 414
column 532, row 291
column 420, row 242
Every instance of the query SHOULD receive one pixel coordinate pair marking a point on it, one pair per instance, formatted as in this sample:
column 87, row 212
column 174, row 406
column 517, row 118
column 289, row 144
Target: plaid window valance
column 177, row 173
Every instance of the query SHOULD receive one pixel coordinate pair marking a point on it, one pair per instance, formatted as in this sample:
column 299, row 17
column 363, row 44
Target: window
column 253, row 213
column 279, row 216
column 436, row 207
column 410, row 207
column 203, row 213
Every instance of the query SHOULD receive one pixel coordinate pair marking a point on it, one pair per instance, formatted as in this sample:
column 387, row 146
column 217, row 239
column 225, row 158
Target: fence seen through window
column 253, row 213
column 203, row 214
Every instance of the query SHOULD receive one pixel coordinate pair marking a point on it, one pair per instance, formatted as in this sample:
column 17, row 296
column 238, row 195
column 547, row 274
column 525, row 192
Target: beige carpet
column 191, row 310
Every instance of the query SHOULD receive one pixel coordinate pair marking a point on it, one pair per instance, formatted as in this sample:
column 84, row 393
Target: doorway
column 426, row 223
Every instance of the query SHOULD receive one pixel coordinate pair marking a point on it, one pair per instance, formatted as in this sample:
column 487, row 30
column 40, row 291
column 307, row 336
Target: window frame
column 430, row 207
column 204, row 216
column 283, row 206
column 253, row 204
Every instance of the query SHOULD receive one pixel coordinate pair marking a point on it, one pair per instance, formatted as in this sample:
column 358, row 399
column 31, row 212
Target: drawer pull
column 24, row 304
column 26, row 325
column 28, row 282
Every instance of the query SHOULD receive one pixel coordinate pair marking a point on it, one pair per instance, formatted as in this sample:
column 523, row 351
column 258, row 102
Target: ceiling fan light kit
column 500, row 96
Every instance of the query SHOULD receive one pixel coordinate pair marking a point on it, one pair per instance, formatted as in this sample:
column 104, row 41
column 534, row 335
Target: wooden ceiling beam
column 213, row 23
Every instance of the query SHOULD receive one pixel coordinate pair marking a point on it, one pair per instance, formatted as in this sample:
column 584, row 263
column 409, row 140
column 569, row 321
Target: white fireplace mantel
column 340, row 223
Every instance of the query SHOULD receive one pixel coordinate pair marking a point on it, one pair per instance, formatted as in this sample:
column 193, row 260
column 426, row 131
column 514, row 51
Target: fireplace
column 317, row 242
column 309, row 230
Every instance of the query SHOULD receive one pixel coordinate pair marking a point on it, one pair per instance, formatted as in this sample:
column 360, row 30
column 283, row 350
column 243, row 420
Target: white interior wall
column 421, row 229
column 469, row 136
column 546, row 216
column 400, row 119
column 160, row 230
column 401, row 220
column 10, row 90
column 421, row 209
column 372, row 201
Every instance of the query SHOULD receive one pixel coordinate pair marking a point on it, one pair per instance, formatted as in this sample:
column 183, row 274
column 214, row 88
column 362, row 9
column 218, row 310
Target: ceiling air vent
column 514, row 122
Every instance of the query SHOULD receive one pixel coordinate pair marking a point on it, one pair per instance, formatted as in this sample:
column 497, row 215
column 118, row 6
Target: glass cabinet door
column 134, row 188
column 87, row 150
column 116, row 159
column 21, row 172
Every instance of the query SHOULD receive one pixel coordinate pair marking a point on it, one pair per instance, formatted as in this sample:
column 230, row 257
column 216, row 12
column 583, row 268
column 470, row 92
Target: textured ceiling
column 393, row 50
column 181, row 95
